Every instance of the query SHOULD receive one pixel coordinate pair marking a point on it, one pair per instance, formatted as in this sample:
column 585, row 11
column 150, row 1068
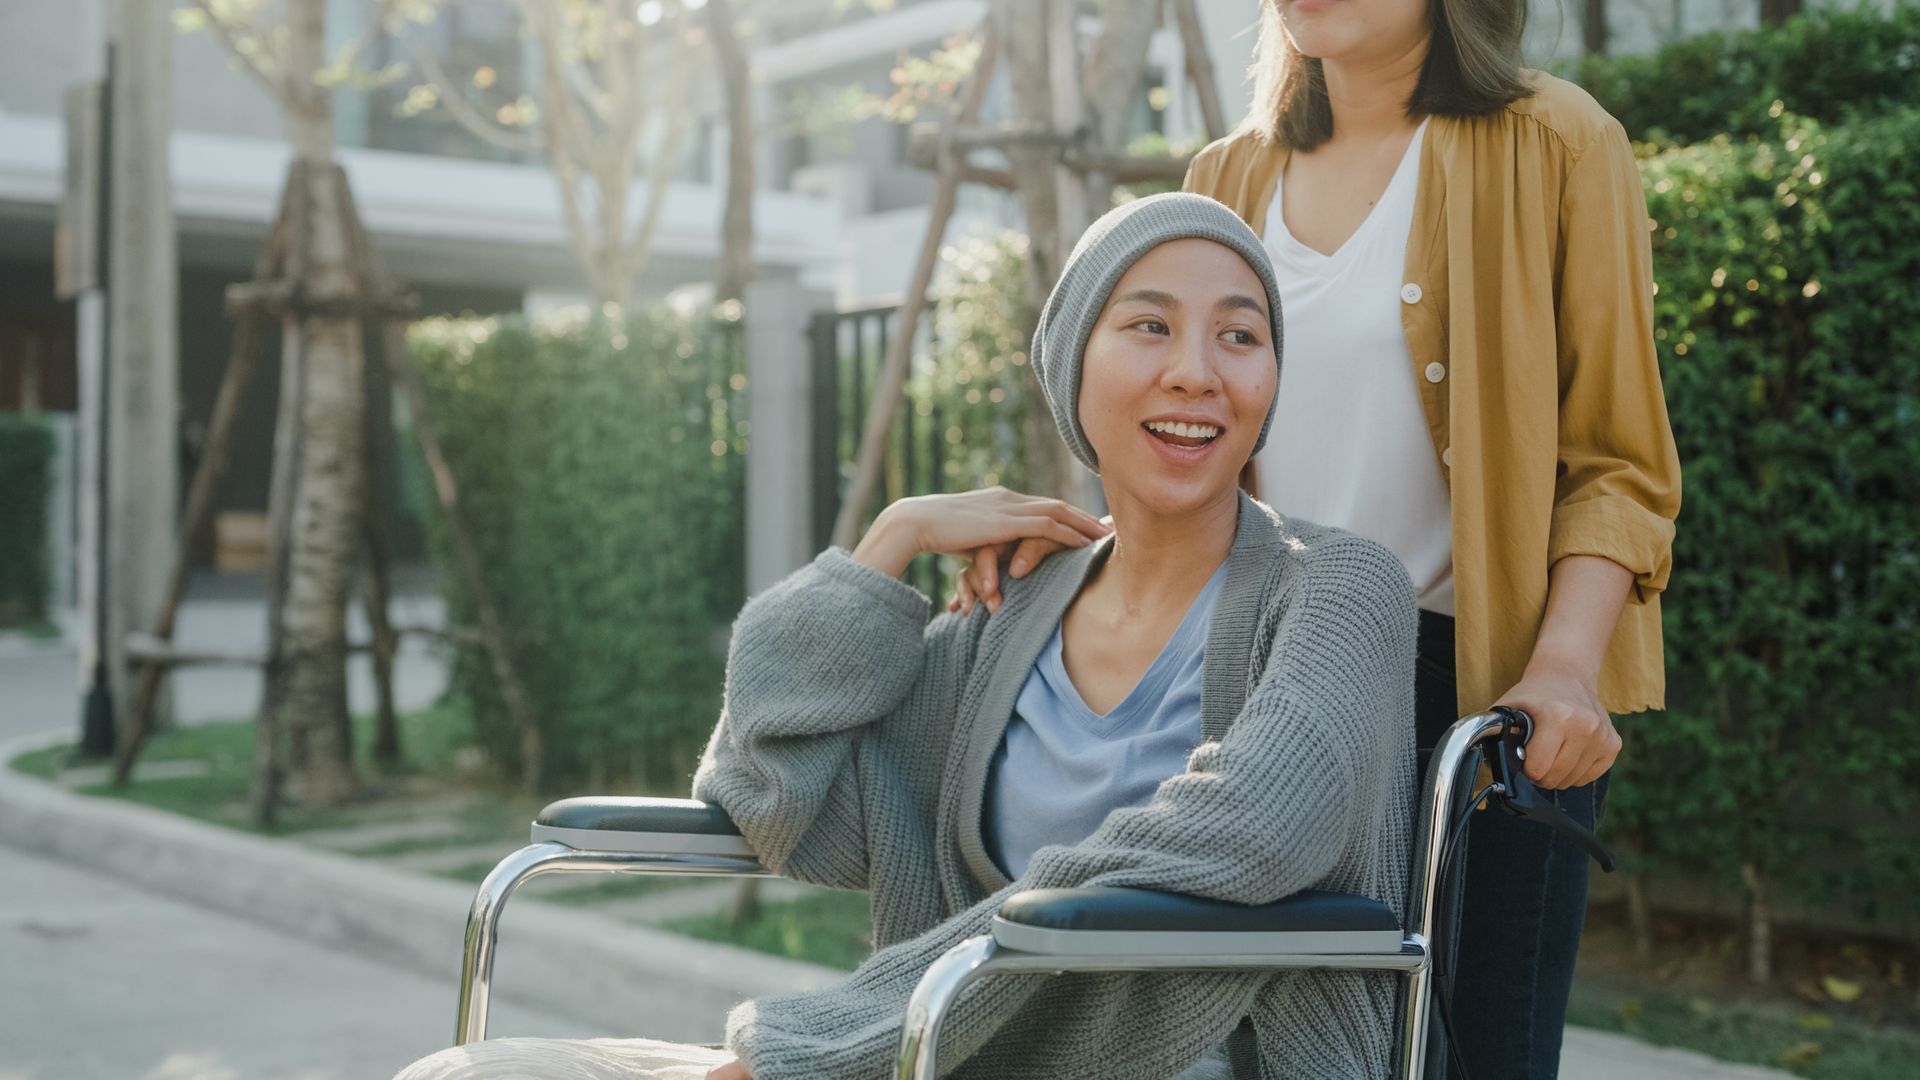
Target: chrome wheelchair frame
column 1056, row 931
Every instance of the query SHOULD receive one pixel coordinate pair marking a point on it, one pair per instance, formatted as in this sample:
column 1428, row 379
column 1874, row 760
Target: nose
column 1190, row 369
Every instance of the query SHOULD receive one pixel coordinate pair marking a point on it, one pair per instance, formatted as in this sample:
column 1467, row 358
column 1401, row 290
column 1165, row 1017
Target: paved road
column 102, row 981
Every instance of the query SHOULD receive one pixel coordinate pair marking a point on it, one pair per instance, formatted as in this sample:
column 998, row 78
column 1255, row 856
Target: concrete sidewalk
column 104, row 980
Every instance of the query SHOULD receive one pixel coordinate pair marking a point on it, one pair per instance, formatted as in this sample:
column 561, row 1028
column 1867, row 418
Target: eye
column 1243, row 337
column 1151, row 326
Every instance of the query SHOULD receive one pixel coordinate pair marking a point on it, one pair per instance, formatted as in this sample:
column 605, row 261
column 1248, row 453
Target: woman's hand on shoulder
column 969, row 522
column 732, row 1070
column 979, row 580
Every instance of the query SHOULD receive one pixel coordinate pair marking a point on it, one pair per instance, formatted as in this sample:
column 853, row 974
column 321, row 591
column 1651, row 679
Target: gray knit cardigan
column 853, row 752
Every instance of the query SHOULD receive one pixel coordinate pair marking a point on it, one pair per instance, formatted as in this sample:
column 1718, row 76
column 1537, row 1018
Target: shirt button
column 1436, row 371
column 1446, row 457
column 1410, row 293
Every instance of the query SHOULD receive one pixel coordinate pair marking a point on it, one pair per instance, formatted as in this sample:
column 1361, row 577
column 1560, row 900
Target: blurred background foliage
column 601, row 467
column 1782, row 172
column 26, row 459
column 1783, row 187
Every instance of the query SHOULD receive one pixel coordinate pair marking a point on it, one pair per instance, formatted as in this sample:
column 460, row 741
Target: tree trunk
column 1114, row 69
column 1021, row 26
column 376, row 587
column 1594, row 28
column 1759, row 924
column 1200, row 68
column 736, row 225
column 1640, row 916
column 736, row 250
column 328, row 483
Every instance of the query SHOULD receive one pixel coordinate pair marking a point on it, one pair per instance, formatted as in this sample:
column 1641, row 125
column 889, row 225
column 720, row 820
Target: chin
column 1172, row 498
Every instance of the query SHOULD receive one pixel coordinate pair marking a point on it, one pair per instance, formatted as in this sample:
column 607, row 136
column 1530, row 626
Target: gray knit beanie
column 1105, row 253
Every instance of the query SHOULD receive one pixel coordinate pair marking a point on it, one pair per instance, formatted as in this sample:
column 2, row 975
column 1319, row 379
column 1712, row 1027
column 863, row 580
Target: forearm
column 889, row 545
column 1585, row 595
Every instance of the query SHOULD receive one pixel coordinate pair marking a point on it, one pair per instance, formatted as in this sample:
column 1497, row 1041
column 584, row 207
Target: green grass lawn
column 832, row 928
column 1807, row 1043
column 429, row 739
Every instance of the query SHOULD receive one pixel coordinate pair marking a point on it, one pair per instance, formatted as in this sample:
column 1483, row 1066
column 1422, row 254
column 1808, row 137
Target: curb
column 629, row 980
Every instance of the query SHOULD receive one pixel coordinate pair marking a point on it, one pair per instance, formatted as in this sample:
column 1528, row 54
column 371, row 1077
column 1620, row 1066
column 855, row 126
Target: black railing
column 848, row 349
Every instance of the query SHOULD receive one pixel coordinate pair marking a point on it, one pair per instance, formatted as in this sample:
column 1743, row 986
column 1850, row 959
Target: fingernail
column 1019, row 567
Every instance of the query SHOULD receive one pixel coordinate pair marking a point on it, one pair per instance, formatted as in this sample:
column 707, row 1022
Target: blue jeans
column 1523, row 906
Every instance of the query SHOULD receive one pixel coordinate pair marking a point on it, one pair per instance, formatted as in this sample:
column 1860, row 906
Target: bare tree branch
column 1200, row 68
column 233, row 38
column 454, row 98
column 376, row 28
column 661, row 171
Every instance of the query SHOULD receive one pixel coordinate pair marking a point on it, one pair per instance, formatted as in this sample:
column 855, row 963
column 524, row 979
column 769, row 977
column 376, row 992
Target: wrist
column 1548, row 662
column 889, row 545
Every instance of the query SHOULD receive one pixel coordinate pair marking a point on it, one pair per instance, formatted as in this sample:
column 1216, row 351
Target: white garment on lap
column 620, row 1059
column 568, row 1059
column 1350, row 446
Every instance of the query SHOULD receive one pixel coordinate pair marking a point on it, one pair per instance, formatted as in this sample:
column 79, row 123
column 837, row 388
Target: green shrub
column 26, row 456
column 1788, row 323
column 600, row 465
column 1826, row 64
column 975, row 378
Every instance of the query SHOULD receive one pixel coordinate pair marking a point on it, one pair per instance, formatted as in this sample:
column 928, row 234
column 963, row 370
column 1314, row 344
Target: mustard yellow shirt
column 1529, row 282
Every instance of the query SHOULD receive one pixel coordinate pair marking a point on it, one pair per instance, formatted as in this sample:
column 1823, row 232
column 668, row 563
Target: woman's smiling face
column 1178, row 376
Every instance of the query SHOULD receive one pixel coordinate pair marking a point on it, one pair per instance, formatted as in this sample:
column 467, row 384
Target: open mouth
column 1186, row 436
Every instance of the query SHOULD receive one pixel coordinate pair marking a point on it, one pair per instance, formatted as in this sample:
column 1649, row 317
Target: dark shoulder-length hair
column 1473, row 68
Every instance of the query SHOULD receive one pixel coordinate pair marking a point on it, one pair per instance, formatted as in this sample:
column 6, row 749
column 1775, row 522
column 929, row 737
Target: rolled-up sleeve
column 1617, row 491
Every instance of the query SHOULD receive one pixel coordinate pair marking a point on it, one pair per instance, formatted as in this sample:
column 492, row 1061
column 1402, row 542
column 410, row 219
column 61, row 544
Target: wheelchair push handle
column 1517, row 795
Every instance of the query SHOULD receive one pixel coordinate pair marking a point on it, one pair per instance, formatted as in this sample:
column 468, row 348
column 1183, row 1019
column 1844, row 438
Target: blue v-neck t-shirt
column 1062, row 768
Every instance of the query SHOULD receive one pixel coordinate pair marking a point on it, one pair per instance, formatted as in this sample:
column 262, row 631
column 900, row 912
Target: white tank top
column 1349, row 445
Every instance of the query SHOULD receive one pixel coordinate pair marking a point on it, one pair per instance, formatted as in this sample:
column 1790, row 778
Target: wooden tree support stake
column 894, row 366
column 248, row 337
column 1200, row 68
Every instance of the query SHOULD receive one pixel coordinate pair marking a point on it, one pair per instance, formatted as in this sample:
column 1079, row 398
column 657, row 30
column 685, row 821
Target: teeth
column 1185, row 431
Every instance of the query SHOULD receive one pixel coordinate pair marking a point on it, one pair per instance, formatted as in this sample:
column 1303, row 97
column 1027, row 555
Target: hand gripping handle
column 1518, row 796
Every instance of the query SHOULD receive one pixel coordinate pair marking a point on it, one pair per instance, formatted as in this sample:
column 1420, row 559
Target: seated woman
column 1212, row 700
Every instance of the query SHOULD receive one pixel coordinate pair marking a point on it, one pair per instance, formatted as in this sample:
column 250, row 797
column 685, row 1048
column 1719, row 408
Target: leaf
column 1841, row 990
column 1815, row 1021
column 1799, row 1055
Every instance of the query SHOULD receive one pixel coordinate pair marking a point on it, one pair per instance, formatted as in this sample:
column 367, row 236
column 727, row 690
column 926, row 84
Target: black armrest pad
column 612, row 813
column 1144, row 909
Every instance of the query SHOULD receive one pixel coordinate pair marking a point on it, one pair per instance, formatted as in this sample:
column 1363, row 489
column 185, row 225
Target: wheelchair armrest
column 1144, row 922
column 643, row 826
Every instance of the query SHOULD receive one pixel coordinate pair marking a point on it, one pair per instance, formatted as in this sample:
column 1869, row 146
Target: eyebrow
column 1241, row 301
column 1167, row 299
column 1151, row 296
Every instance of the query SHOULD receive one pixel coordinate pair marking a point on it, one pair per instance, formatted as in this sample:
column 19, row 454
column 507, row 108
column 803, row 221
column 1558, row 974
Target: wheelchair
column 1059, row 931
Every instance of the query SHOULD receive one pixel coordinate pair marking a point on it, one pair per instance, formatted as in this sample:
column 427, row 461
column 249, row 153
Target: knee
column 475, row 1061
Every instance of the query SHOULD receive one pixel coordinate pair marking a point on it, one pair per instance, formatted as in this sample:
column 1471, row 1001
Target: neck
column 1162, row 560
column 1369, row 96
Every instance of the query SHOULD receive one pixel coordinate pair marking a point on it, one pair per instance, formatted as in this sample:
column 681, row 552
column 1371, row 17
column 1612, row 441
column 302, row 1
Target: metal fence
column 848, row 349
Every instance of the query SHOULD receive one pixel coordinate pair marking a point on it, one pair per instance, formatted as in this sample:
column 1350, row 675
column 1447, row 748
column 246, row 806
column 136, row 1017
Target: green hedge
column 1788, row 322
column 1827, row 64
column 601, row 465
column 26, row 458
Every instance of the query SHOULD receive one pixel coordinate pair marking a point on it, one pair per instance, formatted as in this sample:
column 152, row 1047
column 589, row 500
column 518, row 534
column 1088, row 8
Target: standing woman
column 1462, row 256
column 1463, row 259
